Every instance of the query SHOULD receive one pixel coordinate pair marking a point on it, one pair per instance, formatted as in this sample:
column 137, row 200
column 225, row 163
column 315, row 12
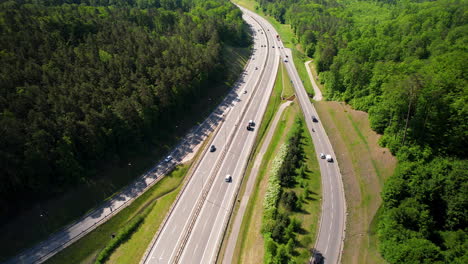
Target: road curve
column 317, row 93
column 331, row 232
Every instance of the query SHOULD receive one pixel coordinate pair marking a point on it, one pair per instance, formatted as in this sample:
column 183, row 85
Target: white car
column 228, row 178
column 168, row 158
column 322, row 155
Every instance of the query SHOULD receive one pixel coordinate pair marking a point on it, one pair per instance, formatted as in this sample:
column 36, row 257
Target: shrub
column 273, row 190
column 121, row 237
column 289, row 200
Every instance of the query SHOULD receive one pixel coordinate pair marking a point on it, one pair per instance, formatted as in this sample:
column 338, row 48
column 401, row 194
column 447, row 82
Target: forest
column 83, row 82
column 403, row 62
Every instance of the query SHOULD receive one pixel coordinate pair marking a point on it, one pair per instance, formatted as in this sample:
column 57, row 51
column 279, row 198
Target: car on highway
column 273, row 46
column 256, row 68
column 314, row 119
column 228, row 178
column 212, row 148
column 317, row 258
column 329, row 158
column 168, row 158
column 285, row 60
column 250, row 125
column 245, row 91
column 322, row 155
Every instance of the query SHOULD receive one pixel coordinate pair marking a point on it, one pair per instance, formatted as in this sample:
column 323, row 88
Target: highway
column 329, row 243
column 194, row 229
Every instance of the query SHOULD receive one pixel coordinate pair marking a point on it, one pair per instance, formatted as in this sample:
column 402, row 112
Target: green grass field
column 159, row 197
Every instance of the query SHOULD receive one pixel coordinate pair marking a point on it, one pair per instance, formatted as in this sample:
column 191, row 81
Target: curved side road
column 329, row 243
column 232, row 241
column 318, row 94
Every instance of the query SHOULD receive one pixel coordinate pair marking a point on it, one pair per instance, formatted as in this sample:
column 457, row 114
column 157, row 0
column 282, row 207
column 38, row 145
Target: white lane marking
column 224, row 210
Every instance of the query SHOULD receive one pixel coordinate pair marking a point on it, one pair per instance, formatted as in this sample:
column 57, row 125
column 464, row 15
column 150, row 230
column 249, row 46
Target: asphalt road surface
column 193, row 231
column 331, row 232
column 195, row 228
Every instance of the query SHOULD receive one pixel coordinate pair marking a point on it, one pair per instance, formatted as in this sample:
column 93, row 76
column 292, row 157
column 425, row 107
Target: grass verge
column 364, row 166
column 159, row 197
column 288, row 89
column 44, row 218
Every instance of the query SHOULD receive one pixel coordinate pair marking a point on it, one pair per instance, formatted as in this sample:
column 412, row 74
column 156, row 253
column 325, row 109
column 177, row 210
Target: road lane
column 169, row 241
column 217, row 216
column 332, row 224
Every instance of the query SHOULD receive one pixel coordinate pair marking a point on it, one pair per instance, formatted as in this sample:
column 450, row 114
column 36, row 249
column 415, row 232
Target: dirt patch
column 364, row 166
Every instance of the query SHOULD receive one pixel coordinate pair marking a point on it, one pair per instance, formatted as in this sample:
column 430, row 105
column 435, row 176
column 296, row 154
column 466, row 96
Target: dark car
column 213, row 148
column 314, row 119
column 317, row 257
column 249, row 128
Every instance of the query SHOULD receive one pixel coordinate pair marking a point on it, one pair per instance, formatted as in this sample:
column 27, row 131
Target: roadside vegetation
column 95, row 93
column 288, row 89
column 364, row 168
column 256, row 244
column 290, row 208
column 135, row 224
column 403, row 62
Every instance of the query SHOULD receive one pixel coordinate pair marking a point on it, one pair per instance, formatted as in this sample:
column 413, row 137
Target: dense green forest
column 82, row 82
column 405, row 63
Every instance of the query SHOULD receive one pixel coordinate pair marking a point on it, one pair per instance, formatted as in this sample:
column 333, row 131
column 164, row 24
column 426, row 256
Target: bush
column 121, row 237
column 273, row 190
column 289, row 200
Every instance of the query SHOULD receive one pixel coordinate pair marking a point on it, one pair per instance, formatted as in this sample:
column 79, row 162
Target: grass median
column 250, row 245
